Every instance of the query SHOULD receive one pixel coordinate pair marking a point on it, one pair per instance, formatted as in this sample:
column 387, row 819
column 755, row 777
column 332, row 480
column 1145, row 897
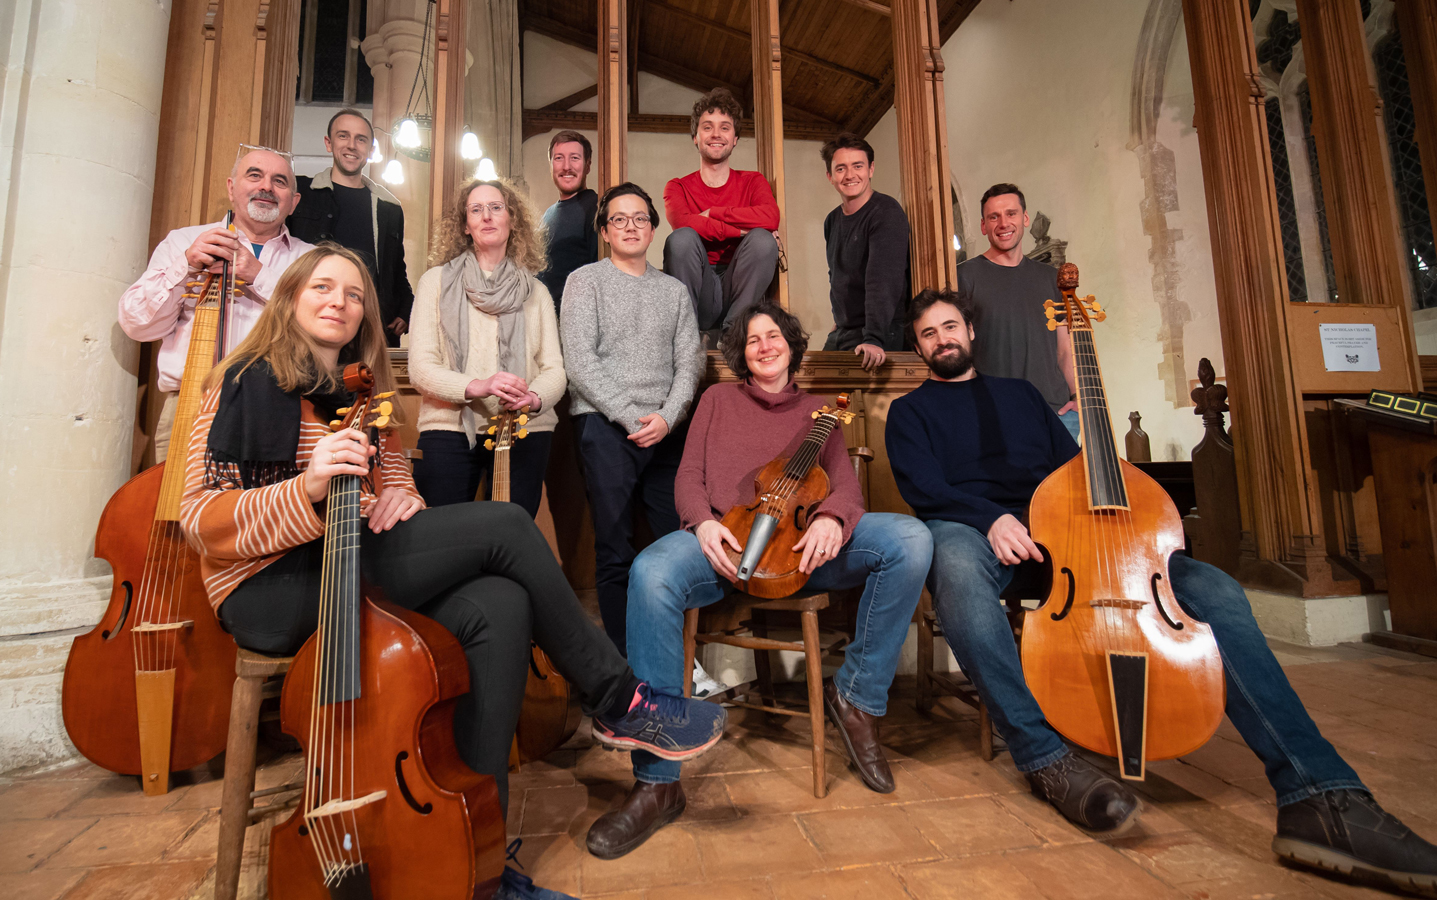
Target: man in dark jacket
column 340, row 204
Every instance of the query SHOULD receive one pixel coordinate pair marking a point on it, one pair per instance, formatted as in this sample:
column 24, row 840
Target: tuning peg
column 335, row 424
column 344, row 411
column 488, row 445
column 523, row 420
column 385, row 396
column 523, row 432
column 386, row 408
column 381, row 422
column 493, row 429
column 816, row 414
column 1052, row 325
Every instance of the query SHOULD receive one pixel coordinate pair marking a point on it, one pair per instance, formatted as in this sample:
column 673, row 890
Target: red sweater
column 745, row 202
column 736, row 430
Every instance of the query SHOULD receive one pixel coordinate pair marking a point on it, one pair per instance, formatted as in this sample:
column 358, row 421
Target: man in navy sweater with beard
column 968, row 451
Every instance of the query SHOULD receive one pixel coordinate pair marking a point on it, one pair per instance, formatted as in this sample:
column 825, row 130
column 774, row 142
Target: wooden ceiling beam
column 572, row 100
column 747, row 37
column 871, row 6
column 540, row 121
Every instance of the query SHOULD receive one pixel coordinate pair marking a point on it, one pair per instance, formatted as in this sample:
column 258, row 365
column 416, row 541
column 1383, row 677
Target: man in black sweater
column 867, row 241
column 340, row 204
column 569, row 223
column 968, row 451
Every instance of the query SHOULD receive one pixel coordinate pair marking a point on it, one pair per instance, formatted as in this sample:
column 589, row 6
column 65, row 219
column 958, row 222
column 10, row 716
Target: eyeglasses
column 620, row 220
column 496, row 209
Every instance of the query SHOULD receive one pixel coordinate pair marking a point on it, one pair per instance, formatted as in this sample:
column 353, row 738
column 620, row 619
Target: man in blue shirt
column 968, row 450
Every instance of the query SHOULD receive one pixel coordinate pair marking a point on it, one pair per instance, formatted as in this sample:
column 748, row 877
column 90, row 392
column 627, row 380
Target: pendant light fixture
column 414, row 132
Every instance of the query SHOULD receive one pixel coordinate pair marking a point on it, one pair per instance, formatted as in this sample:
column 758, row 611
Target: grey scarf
column 501, row 295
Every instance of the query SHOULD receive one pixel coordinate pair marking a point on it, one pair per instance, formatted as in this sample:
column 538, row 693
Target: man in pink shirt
column 262, row 192
column 722, row 247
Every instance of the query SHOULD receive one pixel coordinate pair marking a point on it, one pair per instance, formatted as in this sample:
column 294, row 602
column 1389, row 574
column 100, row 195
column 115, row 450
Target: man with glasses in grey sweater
column 631, row 351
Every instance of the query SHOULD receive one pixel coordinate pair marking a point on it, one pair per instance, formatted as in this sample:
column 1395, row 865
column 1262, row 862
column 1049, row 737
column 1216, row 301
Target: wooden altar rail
column 824, row 373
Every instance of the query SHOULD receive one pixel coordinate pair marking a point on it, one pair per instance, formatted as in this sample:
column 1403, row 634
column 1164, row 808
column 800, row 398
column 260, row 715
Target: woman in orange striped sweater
column 260, row 461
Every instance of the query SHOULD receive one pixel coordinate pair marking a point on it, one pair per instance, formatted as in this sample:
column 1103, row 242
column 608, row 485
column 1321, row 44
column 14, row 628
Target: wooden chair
column 740, row 621
column 253, row 685
column 931, row 681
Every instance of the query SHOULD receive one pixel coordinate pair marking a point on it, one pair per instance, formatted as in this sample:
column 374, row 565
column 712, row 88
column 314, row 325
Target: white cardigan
column 442, row 386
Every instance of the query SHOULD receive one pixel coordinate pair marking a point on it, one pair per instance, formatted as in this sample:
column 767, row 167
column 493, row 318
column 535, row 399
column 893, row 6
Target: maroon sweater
column 736, row 430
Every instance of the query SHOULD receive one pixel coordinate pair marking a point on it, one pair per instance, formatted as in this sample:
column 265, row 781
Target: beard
column 260, row 213
column 949, row 365
column 339, row 164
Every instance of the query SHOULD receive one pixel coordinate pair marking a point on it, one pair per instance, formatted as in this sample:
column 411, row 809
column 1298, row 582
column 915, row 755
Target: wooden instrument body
column 1123, row 555
column 777, row 573
column 405, row 741
column 550, row 714
column 98, row 696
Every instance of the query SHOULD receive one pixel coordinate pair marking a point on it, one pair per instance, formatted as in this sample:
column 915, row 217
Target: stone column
column 1282, row 530
column 79, row 120
column 396, row 35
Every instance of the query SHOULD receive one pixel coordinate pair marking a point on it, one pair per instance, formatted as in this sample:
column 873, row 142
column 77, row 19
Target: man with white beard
column 160, row 305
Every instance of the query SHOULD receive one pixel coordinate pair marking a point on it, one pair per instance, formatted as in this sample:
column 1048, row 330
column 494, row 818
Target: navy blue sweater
column 970, row 451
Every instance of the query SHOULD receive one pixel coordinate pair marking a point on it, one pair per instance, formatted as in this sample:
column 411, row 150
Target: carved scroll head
column 1068, row 277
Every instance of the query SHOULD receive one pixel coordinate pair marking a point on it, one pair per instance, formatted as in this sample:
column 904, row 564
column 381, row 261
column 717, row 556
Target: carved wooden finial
column 1068, row 277
column 1209, row 400
column 1138, row 445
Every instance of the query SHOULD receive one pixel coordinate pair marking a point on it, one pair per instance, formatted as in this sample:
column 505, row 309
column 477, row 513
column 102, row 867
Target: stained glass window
column 1286, row 207
column 1408, row 186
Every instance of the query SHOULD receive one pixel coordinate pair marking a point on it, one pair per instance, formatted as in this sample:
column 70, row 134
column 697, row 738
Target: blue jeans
column 966, row 582
column 888, row 554
column 1070, row 421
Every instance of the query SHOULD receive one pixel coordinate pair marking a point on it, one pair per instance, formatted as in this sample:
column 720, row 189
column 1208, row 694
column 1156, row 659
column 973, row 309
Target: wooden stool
column 738, row 620
column 237, row 809
column 930, row 681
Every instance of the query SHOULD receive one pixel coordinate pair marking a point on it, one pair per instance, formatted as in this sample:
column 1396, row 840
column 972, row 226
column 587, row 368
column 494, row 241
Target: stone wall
column 79, row 118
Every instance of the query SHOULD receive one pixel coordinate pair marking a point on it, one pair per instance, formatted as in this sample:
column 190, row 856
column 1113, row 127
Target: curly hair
column 721, row 100
column 526, row 236
column 735, row 337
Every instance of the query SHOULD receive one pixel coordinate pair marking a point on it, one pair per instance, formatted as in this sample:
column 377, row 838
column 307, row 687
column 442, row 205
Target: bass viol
column 1116, row 665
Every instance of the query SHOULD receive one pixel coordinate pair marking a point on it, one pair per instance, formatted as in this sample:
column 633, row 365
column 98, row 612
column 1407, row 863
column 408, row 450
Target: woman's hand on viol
column 392, row 507
column 712, row 536
column 345, row 452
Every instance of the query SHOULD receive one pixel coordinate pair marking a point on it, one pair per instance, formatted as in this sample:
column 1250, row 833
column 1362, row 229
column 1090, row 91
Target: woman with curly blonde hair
column 484, row 338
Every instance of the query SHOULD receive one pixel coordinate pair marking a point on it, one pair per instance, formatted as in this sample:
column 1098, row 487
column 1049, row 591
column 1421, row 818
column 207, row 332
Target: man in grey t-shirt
column 1008, row 290
column 631, row 352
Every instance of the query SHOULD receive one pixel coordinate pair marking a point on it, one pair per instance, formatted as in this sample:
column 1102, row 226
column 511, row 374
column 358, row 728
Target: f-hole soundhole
column 1158, row 602
column 424, row 810
column 124, row 612
column 1072, row 588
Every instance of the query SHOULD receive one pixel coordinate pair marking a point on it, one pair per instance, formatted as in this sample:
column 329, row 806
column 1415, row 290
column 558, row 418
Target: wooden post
column 444, row 161
column 279, row 27
column 613, row 149
column 1367, row 249
column 768, row 114
column 1417, row 22
column 1282, row 529
column 923, row 141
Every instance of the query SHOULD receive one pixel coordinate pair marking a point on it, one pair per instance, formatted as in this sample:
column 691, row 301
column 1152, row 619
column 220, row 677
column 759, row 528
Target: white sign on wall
column 1349, row 348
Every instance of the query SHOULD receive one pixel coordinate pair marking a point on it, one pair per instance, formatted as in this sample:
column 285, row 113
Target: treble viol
column 787, row 489
column 1115, row 663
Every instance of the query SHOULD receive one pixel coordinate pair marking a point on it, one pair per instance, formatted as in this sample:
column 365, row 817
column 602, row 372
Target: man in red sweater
column 722, row 247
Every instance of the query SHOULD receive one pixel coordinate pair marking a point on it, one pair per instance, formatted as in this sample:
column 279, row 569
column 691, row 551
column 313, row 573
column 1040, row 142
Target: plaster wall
column 79, row 120
column 1041, row 95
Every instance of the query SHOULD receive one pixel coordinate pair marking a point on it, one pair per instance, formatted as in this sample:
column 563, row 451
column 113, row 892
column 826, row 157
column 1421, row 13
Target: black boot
column 1086, row 796
column 1346, row 831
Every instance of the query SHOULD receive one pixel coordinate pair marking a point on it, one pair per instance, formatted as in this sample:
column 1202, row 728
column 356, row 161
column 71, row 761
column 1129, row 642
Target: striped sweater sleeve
column 225, row 522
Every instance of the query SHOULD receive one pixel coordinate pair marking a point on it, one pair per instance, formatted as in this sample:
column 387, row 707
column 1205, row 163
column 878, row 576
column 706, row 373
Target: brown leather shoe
column 859, row 731
column 648, row 808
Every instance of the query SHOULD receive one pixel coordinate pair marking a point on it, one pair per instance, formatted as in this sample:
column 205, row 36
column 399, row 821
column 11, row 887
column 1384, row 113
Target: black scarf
column 255, row 433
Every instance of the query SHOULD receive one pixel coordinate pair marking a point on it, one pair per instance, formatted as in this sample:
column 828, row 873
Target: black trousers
column 616, row 471
column 450, row 471
column 484, row 572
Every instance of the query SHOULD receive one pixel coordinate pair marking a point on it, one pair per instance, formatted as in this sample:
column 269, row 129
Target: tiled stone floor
column 956, row 827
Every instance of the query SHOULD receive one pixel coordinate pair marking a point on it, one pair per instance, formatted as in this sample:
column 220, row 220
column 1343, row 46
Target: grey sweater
column 631, row 345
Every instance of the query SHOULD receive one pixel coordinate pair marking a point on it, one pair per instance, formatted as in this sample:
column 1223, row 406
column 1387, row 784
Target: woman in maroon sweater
column 735, row 431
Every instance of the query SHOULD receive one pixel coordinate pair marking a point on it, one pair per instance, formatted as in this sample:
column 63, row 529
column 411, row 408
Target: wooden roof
column 837, row 55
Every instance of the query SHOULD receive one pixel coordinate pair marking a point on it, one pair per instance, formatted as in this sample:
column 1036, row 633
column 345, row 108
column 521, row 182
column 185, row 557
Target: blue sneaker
column 514, row 885
column 669, row 727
